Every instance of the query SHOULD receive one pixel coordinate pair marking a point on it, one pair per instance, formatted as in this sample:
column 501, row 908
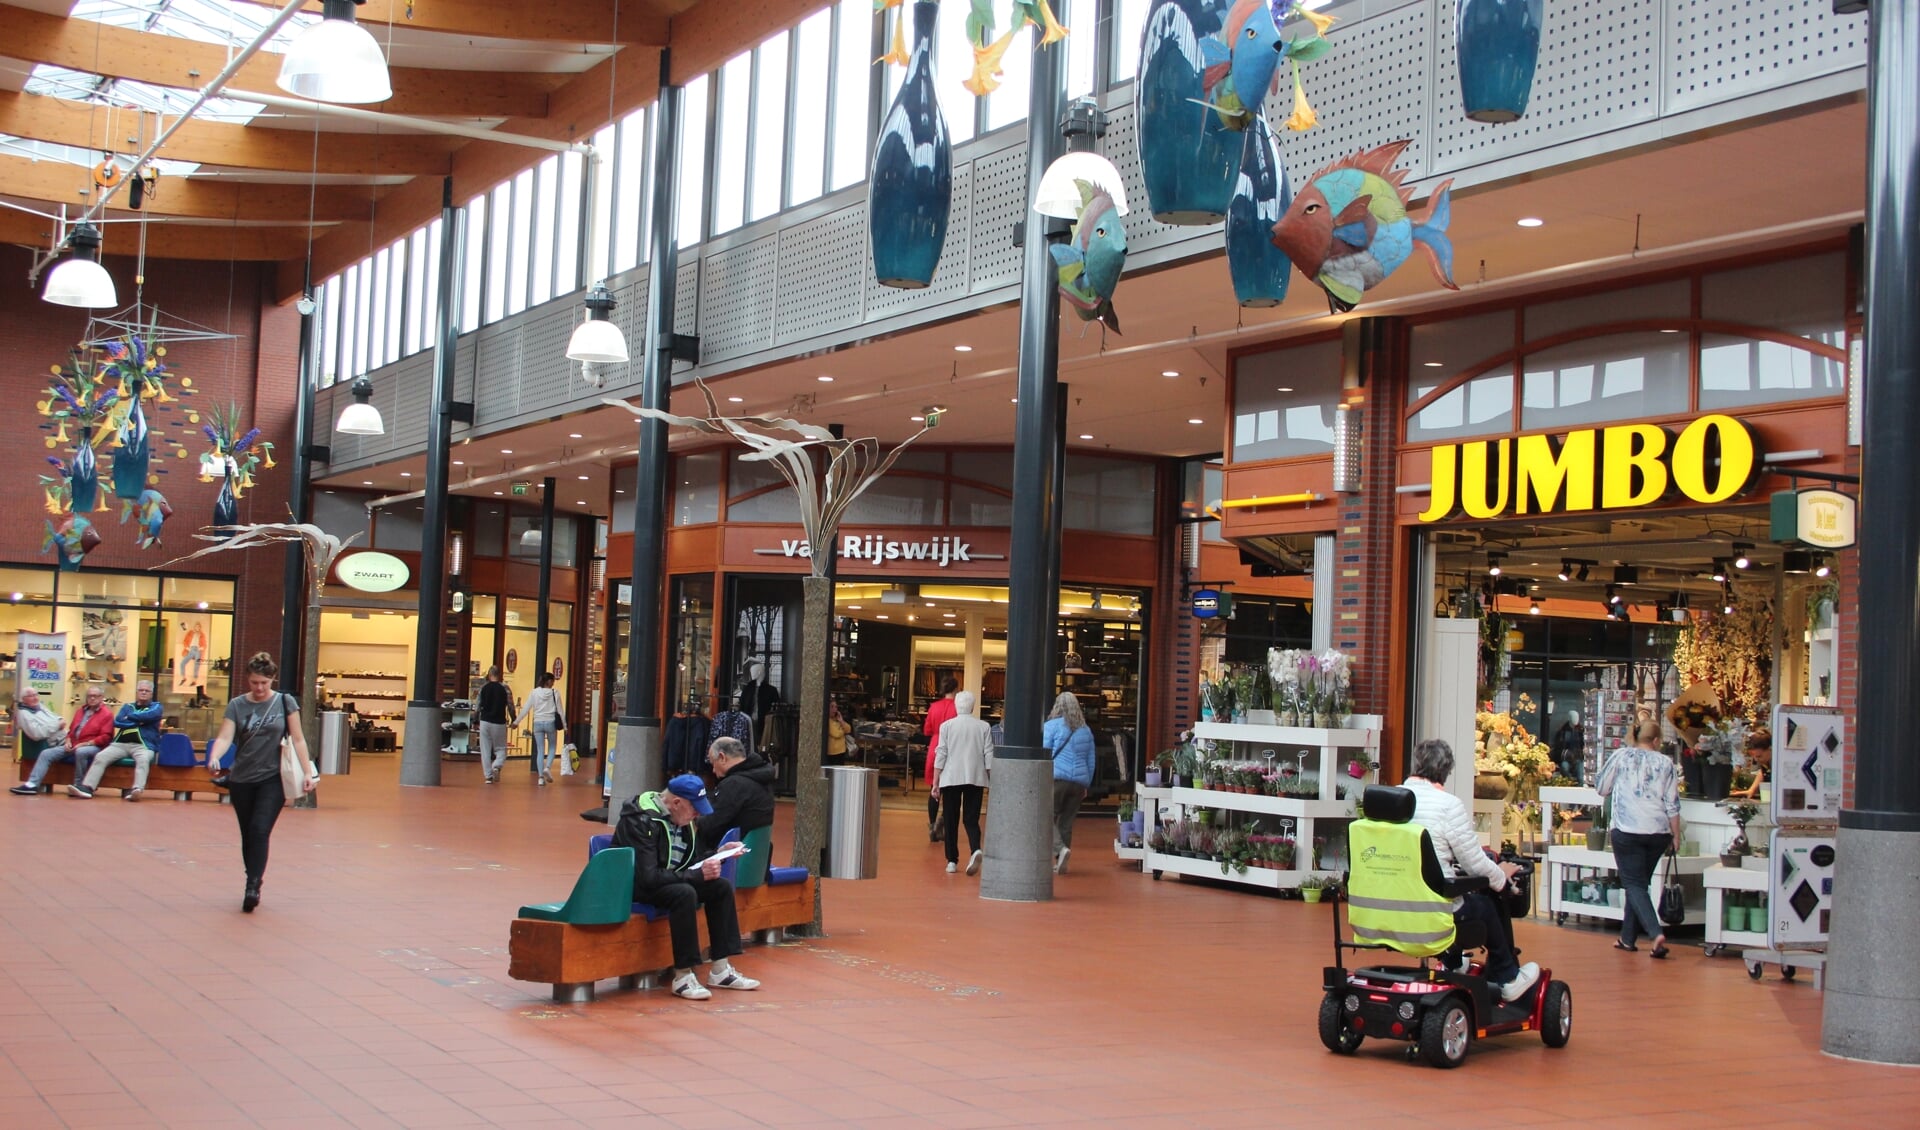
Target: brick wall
column 255, row 370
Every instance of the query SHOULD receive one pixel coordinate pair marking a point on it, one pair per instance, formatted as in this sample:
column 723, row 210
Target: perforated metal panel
column 495, row 383
column 817, row 258
column 686, row 293
column 999, row 202
column 1371, row 89
column 737, row 303
column 1722, row 49
column 1598, row 71
column 949, row 278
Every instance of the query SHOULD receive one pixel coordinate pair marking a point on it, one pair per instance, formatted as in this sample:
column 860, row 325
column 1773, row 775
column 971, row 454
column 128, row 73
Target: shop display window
column 690, row 628
column 366, row 669
column 974, row 506
column 696, row 490
column 1114, row 496
column 898, row 500
column 757, row 493
column 398, row 526
column 18, row 585
column 520, row 638
column 489, row 529
column 1618, row 377
column 1482, row 406
column 342, row 515
column 624, row 477
column 1283, row 402
column 1738, row 372
column 523, row 540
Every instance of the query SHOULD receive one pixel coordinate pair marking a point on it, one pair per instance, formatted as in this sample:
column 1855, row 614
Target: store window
column 1260, row 623
column 690, row 628
column 520, row 642
column 1113, row 496
column 982, row 492
column 899, row 500
column 757, row 493
column 696, row 489
column 1663, row 300
column 1482, row 406
column 489, row 529
column 1619, row 377
column 523, row 539
column 398, row 526
column 1283, row 402
column 342, row 515
column 1738, row 372
column 1805, row 297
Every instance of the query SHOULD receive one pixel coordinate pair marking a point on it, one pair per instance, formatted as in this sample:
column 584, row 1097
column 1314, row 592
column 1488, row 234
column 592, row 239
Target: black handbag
column 1673, row 897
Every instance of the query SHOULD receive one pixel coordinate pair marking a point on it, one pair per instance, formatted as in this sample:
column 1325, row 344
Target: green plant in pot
column 1313, row 886
column 1234, row 850
column 1597, row 835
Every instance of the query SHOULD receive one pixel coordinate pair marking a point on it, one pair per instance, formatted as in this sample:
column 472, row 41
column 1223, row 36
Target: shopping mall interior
column 1264, row 513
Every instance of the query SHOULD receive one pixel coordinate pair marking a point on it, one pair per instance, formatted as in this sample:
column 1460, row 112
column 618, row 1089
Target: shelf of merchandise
column 1121, row 851
column 1328, row 745
column 1563, row 860
column 1489, row 821
column 1719, row 880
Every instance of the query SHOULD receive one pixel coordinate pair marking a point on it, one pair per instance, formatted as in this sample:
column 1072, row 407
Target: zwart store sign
column 372, row 572
column 939, row 551
column 1622, row 467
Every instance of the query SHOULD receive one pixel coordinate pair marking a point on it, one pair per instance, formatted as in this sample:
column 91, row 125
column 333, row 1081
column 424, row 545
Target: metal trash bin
column 336, row 756
column 853, row 823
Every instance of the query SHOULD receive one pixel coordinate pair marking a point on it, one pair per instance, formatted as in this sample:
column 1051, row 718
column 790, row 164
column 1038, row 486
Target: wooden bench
column 573, row 958
column 180, row 780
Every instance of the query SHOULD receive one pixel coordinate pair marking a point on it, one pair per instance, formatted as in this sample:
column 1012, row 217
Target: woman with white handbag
column 270, row 764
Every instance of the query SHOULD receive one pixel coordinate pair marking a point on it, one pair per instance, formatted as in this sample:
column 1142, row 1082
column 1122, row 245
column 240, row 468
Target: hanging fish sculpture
column 1091, row 260
column 1242, row 61
column 1348, row 229
column 74, row 538
column 153, row 509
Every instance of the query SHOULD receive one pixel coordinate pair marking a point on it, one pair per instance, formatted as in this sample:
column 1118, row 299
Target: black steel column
column 1018, row 840
column 1872, row 1001
column 293, row 618
column 541, row 617
column 420, row 756
column 638, row 764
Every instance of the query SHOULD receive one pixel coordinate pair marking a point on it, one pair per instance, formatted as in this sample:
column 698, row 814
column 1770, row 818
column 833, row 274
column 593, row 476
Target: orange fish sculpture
column 1349, row 228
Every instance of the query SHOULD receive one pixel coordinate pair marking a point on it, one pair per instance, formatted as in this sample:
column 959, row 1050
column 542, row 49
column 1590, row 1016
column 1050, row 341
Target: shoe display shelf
column 1573, row 871
column 1319, row 753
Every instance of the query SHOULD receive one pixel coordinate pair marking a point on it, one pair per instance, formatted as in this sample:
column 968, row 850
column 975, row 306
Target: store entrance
column 366, row 666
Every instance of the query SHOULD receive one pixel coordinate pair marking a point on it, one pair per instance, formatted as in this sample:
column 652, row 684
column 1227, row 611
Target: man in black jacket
column 743, row 795
column 658, row 827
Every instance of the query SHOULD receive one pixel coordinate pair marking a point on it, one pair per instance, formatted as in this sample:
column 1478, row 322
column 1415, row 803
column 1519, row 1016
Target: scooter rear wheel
column 1334, row 1032
column 1446, row 1033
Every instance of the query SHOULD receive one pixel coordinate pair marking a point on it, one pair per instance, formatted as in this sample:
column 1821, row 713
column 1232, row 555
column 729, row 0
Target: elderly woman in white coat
column 965, row 754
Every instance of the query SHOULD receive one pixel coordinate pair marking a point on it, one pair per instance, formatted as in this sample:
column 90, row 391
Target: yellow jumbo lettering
column 1551, row 480
column 1627, row 448
column 1445, row 459
column 1692, row 457
column 1474, row 497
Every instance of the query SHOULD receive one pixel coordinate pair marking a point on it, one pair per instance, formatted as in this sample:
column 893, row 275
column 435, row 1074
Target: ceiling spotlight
column 575, row 435
column 1822, row 565
column 79, row 279
column 1719, row 573
column 1169, row 372
column 1740, row 551
column 1433, row 364
column 1582, row 574
column 917, row 419
column 1626, row 574
column 1566, row 570
column 736, row 399
column 361, row 418
column 1084, row 435
column 963, row 349
column 1195, row 420
column 1494, row 558
column 824, row 379
column 1530, row 221
column 1533, row 608
column 336, row 60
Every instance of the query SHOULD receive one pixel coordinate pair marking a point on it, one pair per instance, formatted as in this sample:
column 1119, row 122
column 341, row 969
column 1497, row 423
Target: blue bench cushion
column 785, row 876
column 176, row 750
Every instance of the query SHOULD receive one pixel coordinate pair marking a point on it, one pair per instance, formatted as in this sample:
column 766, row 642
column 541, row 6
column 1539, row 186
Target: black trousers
column 961, row 805
column 1490, row 913
column 679, row 900
column 257, row 806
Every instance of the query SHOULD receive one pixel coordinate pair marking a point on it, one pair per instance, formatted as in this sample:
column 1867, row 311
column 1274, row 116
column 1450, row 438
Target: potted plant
column 1313, row 886
column 1602, row 821
column 1742, row 812
column 1284, row 851
column 1234, row 850
column 1157, row 771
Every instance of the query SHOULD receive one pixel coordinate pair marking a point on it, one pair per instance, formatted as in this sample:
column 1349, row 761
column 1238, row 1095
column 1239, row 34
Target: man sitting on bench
column 659, row 828
column 1458, row 847
column 136, row 734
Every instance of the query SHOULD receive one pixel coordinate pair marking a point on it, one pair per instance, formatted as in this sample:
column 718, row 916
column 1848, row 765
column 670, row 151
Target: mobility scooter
column 1399, row 900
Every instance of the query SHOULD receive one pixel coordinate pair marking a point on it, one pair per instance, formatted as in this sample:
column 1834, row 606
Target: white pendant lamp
column 597, row 339
column 361, row 418
column 1059, row 195
column 80, row 280
column 336, row 60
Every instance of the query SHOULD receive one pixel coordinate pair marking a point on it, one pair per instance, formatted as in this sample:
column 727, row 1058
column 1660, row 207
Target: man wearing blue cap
column 659, row 828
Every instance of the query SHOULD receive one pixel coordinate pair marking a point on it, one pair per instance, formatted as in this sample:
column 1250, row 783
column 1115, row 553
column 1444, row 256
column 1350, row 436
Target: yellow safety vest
column 1388, row 900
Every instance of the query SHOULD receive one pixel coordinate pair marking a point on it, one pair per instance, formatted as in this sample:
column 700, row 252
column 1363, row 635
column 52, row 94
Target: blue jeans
column 55, row 754
column 1635, row 855
column 546, row 737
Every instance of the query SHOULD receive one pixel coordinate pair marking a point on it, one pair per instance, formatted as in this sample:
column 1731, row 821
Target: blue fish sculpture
column 1091, row 260
column 154, row 511
column 1349, row 228
column 73, row 538
column 1242, row 61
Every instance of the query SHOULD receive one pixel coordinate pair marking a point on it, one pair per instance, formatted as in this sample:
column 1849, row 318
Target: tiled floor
column 371, row 990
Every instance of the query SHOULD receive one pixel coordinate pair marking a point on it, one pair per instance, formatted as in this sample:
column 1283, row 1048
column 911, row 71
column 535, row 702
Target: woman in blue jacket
column 1071, row 742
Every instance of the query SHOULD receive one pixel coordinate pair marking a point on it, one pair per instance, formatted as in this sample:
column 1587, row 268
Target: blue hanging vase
column 910, row 188
column 1261, row 195
column 83, row 475
column 226, row 511
column 132, row 458
column 1498, row 42
column 1188, row 157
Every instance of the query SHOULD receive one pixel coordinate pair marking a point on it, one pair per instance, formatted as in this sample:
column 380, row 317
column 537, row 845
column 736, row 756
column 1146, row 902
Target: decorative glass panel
column 1484, row 406
column 1114, row 496
column 1737, row 372
column 1284, row 401
column 1618, row 377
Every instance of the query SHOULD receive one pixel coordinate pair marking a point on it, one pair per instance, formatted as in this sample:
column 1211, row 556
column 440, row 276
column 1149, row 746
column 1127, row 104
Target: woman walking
column 938, row 712
column 965, row 757
column 543, row 708
column 1069, row 739
column 1646, row 822
column 254, row 726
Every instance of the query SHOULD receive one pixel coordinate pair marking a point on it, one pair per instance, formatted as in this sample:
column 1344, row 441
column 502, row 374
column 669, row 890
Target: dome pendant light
column 336, row 60
column 597, row 339
column 80, row 280
column 361, row 418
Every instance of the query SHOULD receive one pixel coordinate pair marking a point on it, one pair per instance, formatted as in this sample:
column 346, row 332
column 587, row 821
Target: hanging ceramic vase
column 1499, row 44
column 910, row 187
column 1261, row 195
column 83, row 475
column 226, row 511
column 1188, row 158
column 132, row 457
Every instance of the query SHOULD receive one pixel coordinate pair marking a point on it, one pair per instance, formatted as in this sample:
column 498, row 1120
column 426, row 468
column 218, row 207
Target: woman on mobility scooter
column 1400, row 899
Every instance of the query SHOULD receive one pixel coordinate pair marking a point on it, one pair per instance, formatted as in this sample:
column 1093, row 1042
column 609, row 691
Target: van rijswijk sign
column 939, row 551
column 1622, row 467
column 41, row 665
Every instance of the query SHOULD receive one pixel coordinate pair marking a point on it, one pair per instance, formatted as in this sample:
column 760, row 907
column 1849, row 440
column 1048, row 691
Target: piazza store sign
column 1622, row 467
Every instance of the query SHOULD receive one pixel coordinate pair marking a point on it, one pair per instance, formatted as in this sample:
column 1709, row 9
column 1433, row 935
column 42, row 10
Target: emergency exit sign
column 522, row 488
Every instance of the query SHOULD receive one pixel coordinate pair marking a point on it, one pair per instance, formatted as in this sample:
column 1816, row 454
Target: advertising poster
column 1809, row 764
column 42, row 665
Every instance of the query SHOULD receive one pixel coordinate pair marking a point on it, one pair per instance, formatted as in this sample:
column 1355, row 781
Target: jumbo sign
column 1622, row 467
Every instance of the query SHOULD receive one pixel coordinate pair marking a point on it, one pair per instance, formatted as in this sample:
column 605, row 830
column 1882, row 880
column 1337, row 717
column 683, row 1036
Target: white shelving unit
column 1700, row 822
column 1719, row 881
column 1321, row 753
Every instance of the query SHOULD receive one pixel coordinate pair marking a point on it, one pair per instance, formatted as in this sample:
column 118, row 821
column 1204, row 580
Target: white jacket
column 542, row 705
column 40, row 724
column 965, row 753
column 1451, row 829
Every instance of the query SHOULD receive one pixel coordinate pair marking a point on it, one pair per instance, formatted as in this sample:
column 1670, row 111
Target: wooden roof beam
column 61, row 183
column 83, row 45
column 582, row 21
column 66, row 122
column 169, row 240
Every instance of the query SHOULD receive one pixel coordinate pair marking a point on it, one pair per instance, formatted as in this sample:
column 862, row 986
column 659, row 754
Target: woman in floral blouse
column 1646, row 822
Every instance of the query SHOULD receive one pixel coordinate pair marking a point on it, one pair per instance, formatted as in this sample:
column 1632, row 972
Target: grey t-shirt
column 258, row 728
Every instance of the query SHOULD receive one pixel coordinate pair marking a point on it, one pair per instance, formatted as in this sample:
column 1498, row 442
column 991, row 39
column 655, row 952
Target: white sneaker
column 973, row 863
column 691, row 988
column 1515, row 989
column 953, row 868
column 130, row 794
column 1060, row 861
column 733, row 979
